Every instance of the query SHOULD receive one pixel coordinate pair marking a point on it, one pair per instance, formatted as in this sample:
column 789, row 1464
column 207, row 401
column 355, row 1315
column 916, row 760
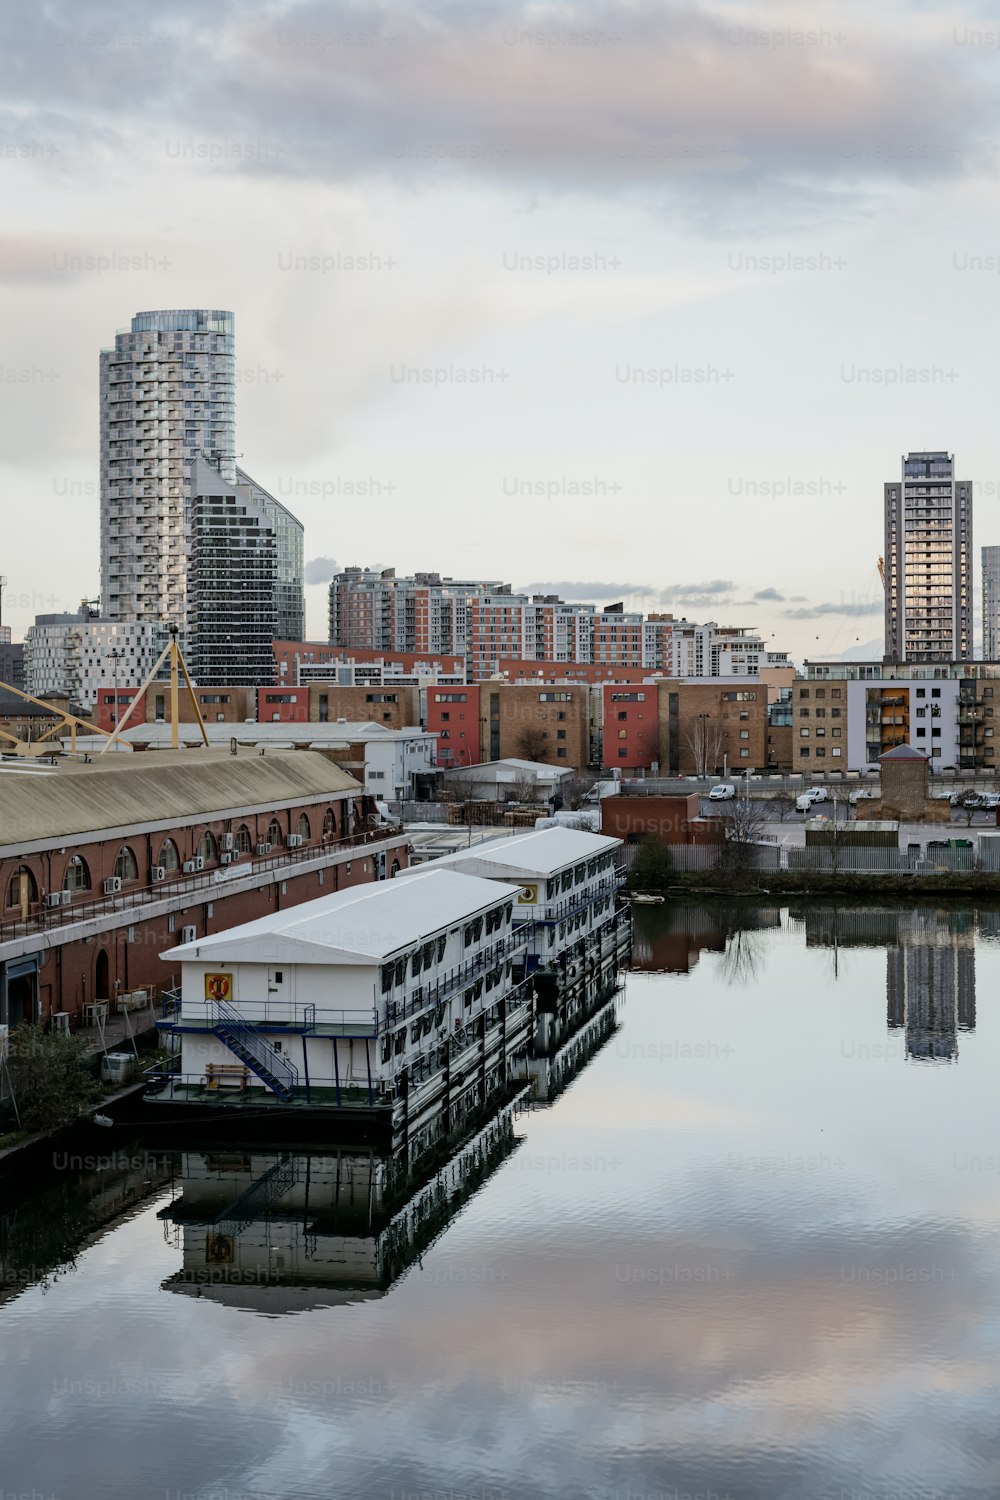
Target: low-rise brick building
column 104, row 864
column 550, row 724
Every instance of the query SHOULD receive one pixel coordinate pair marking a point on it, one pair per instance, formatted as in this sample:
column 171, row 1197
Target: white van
column 723, row 792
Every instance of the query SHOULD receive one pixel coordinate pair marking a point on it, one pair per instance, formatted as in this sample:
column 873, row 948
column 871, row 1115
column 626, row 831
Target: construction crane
column 881, row 570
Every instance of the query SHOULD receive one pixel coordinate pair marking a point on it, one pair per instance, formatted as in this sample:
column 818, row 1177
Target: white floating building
column 397, row 998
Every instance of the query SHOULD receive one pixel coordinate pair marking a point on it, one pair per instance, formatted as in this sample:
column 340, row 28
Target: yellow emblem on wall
column 528, row 895
column 218, row 986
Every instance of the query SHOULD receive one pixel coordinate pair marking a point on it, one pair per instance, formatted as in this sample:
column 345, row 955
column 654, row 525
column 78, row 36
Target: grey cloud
column 771, row 595
column 320, row 569
column 592, row 591
column 681, row 591
column 859, row 607
column 666, row 97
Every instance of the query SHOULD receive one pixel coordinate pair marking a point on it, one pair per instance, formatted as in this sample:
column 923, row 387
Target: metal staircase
column 261, row 1196
column 251, row 1046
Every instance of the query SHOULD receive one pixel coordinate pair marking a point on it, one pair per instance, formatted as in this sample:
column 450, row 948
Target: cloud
column 706, row 595
column 656, row 97
column 320, row 569
column 859, row 607
column 770, row 595
column 592, row 591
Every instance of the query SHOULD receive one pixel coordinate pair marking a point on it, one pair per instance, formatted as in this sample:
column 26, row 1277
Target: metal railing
column 49, row 919
column 244, row 1040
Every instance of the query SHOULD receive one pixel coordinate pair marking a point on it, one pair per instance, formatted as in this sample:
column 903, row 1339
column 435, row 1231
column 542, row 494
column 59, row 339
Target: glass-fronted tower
column 928, row 562
column 168, row 395
column 289, row 581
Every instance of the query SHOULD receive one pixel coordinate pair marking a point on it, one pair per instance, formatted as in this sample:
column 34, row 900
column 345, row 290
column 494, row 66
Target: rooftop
column 543, row 852
column 280, row 736
column 115, row 791
column 538, row 768
column 361, row 925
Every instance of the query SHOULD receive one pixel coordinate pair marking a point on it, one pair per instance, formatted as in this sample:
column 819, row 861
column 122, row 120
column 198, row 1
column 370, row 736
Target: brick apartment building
column 217, row 705
column 550, row 724
column 452, row 713
column 687, row 728
column 103, row 865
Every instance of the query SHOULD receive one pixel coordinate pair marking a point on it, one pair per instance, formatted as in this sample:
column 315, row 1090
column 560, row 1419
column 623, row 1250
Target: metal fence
column 843, row 860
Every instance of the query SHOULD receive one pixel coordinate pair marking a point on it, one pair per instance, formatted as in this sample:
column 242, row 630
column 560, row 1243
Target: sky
column 632, row 301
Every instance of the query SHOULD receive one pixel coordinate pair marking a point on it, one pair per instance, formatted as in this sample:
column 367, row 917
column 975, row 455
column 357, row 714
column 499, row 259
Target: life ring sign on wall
column 218, row 986
column 528, row 895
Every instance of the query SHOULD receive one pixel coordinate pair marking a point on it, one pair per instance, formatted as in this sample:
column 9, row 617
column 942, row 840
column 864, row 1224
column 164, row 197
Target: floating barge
column 398, row 1008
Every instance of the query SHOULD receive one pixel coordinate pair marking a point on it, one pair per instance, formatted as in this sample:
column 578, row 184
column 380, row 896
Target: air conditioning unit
column 118, row 1067
column 268, row 847
column 188, row 934
column 112, row 885
column 189, row 867
column 60, row 1022
column 123, row 1003
column 263, row 848
column 199, row 862
column 54, row 898
column 294, row 841
column 65, row 897
column 95, row 1013
column 227, row 840
column 225, row 859
column 159, row 872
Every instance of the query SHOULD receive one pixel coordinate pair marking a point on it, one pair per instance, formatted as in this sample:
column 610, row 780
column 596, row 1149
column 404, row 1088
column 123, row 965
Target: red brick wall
column 453, row 715
column 675, row 820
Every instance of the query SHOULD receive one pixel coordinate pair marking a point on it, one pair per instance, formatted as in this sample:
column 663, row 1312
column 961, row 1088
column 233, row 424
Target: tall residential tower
column 991, row 603
column 928, row 562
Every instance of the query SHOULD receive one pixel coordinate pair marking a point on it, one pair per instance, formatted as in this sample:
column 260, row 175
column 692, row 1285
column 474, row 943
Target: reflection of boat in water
column 283, row 1231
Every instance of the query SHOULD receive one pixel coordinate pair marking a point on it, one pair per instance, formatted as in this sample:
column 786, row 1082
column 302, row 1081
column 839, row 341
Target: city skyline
column 668, row 356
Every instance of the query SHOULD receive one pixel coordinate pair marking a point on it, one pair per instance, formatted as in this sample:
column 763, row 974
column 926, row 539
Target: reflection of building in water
column 671, row 938
column 850, row 926
column 931, row 982
column 279, row 1232
column 565, row 1042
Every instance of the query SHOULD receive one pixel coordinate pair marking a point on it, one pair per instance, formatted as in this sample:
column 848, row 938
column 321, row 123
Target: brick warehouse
column 104, row 864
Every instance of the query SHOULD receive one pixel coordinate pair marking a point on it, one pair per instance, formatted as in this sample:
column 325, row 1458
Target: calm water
column 752, row 1250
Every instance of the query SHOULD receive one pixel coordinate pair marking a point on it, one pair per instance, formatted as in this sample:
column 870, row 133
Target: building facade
column 75, row 656
column 289, row 561
column 167, row 394
column 928, row 561
column 104, row 865
column 531, row 723
column 231, row 583
column 991, row 603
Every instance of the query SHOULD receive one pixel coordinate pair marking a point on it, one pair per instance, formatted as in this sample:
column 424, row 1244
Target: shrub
column 51, row 1078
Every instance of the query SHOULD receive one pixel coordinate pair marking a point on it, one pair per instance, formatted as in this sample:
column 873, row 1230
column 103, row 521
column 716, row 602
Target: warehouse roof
column 361, row 925
column 280, row 736
column 122, row 790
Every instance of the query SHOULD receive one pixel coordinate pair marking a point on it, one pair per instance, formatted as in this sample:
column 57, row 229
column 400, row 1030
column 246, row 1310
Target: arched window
column 244, row 840
column 302, row 828
column 168, row 856
column 77, row 877
column 274, row 835
column 208, row 849
column 125, row 865
column 394, row 870
column 14, row 889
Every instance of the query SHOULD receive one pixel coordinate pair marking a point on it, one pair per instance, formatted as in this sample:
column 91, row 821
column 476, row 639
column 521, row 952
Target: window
column 935, row 692
column 168, row 856
column 803, row 692
column 329, row 823
column 243, row 840
column 836, row 733
column 302, row 828
column 835, row 692
column 208, row 849
column 835, row 713
column 627, row 697
column 445, row 718
column 821, row 713
column 803, row 713
column 125, row 865
column 744, row 734
column 622, row 754
column 77, row 877
column 921, row 692
column 560, row 754
column 921, row 734
column 804, row 733
column 820, row 750
column 745, row 754
column 821, row 692
column 451, row 697
column 835, row 750
column 274, row 832
column 555, row 697
column 804, row 750
column 14, row 889
column 560, row 734
column 622, row 714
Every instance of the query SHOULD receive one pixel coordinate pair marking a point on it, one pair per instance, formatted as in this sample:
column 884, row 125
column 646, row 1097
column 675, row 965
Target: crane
column 881, row 570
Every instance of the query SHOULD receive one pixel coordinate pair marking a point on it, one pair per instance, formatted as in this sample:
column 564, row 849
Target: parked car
column 805, row 800
column 989, row 800
column 863, row 793
column 723, row 792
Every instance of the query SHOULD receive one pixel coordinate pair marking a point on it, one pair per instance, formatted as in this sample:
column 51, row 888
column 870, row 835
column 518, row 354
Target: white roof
column 544, row 852
column 362, row 925
column 537, row 768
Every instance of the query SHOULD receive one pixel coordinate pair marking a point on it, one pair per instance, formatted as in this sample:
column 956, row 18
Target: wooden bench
column 217, row 1073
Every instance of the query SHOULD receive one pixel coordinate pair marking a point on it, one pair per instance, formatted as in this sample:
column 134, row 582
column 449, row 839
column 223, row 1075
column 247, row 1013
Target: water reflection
column 283, row 1232
column 670, row 939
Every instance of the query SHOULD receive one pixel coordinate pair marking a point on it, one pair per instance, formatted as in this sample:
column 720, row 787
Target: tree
column 50, row 1077
column 969, row 804
column 653, row 866
column 574, row 791
column 783, row 803
column 532, row 743
column 745, row 822
column 523, row 788
column 703, row 739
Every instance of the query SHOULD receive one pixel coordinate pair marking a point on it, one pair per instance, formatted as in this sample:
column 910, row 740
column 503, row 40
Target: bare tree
column 783, row 803
column 532, row 743
column 745, row 822
column 703, row 739
column 523, row 788
column 575, row 789
column 969, row 804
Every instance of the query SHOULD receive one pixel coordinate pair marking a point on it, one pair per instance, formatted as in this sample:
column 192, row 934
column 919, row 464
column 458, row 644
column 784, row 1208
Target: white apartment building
column 73, row 655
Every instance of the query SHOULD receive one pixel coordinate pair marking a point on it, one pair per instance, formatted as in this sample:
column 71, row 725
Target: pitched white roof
column 538, row 768
column 544, row 852
column 362, row 925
